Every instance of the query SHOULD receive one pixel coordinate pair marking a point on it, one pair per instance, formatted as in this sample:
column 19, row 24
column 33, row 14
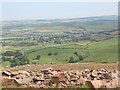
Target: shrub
column 80, row 58
column 75, row 53
column 38, row 57
column 56, row 53
column 71, row 60
column 49, row 54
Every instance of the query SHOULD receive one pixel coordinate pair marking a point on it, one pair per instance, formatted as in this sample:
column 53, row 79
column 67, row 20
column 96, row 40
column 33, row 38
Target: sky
column 56, row 10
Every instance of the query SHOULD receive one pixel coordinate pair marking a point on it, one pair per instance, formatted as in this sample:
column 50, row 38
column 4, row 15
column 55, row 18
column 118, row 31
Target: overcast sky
column 56, row 10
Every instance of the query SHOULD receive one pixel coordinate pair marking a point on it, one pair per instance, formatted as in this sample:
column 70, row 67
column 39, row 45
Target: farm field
column 75, row 41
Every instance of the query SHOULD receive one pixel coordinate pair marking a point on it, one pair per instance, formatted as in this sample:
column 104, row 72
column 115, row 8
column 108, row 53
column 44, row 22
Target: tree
column 71, row 60
column 38, row 57
column 80, row 58
column 5, row 59
column 15, row 62
column 18, row 53
column 75, row 53
column 19, row 59
column 9, row 53
column 49, row 53
column 57, row 42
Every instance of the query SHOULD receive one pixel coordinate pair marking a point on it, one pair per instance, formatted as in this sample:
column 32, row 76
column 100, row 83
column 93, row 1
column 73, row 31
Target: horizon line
column 59, row 18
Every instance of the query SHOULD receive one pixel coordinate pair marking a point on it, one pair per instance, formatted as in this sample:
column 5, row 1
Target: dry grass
column 67, row 67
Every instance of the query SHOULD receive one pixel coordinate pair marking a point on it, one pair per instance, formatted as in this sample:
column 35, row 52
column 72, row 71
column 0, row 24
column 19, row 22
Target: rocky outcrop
column 50, row 78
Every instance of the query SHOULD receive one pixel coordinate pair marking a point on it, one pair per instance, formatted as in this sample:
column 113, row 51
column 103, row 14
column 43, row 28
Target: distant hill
column 94, row 24
column 109, row 17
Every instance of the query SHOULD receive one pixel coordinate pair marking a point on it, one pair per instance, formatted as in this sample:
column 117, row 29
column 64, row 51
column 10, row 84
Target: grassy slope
column 98, row 51
column 101, row 51
column 63, row 54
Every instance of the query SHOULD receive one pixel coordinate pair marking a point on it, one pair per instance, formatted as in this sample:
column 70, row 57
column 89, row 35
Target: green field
column 104, row 51
column 97, row 52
